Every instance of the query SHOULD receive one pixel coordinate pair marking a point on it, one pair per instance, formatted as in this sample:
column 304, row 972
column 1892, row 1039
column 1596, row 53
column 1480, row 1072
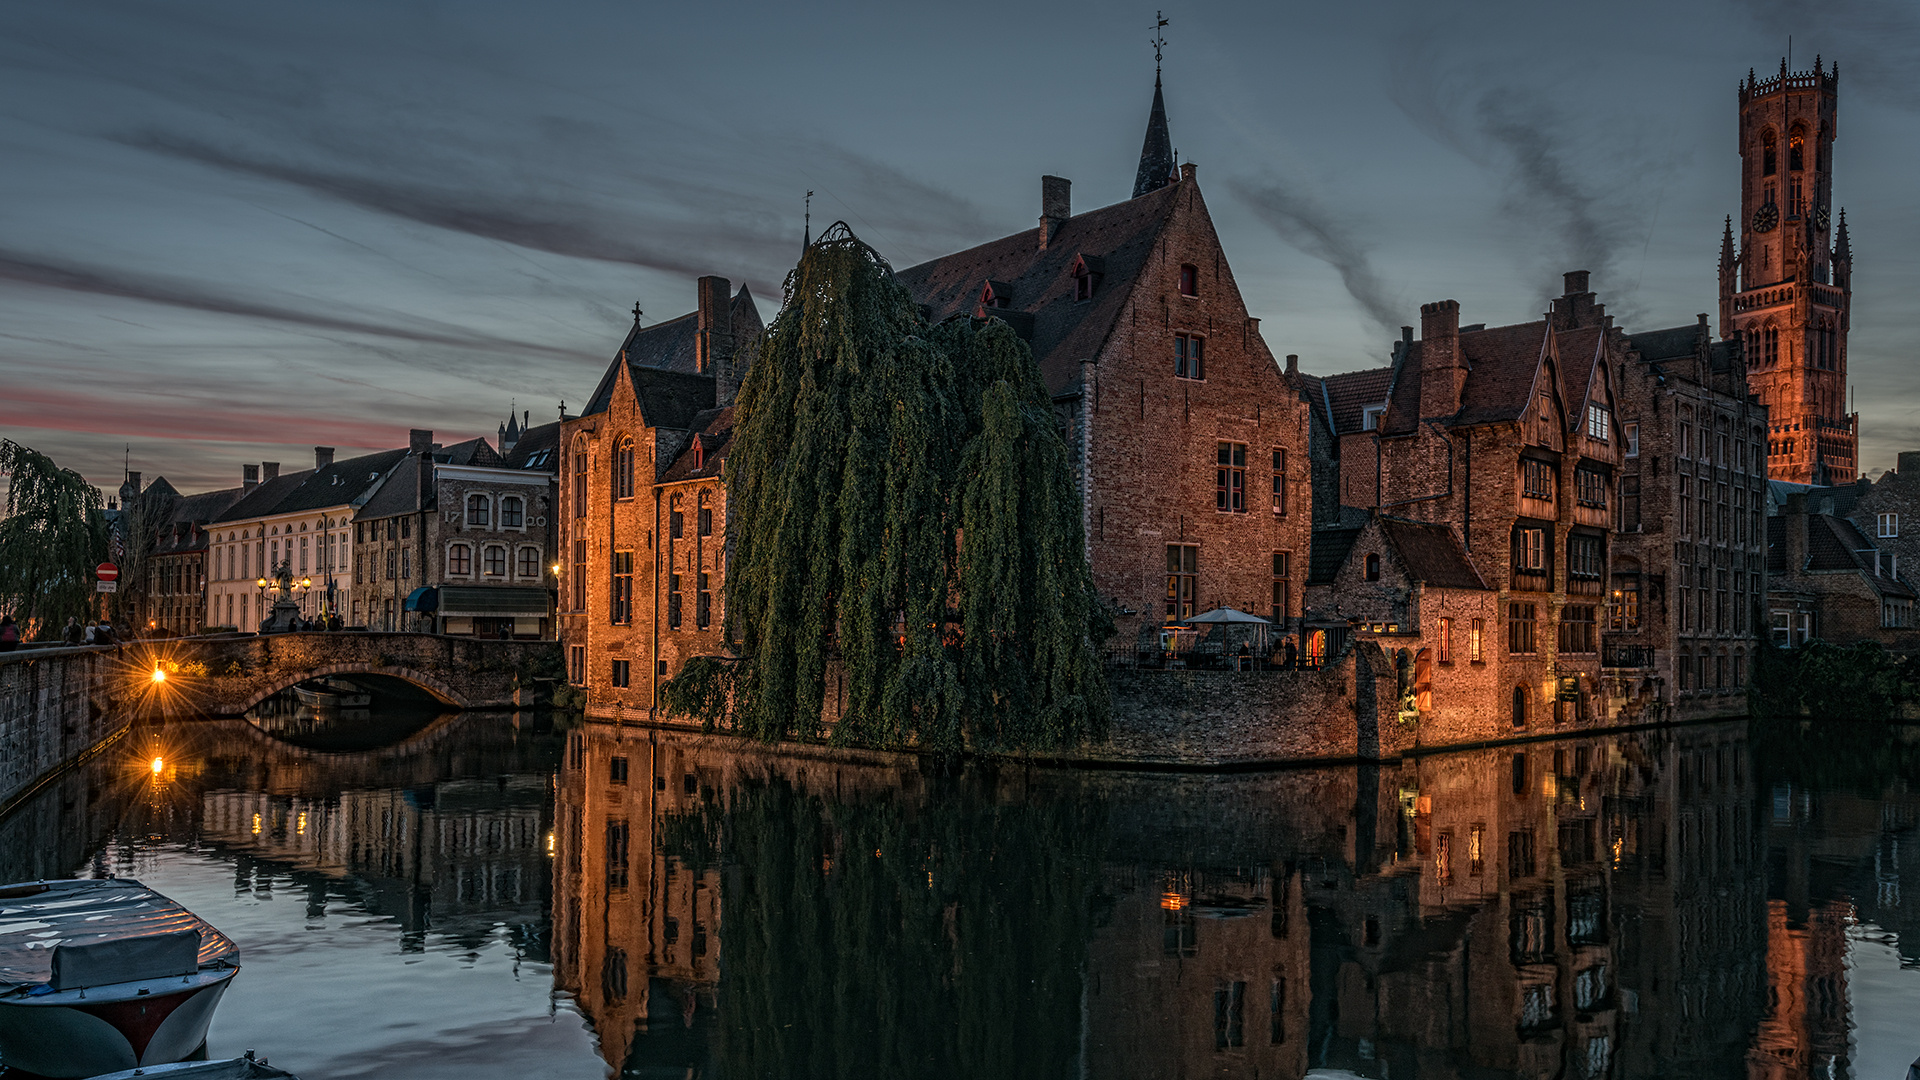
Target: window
column 1519, row 721
column 1599, row 426
column 1683, row 443
column 1279, row 481
column 1590, row 487
column 1370, row 417
column 1536, row 479
column 1889, row 525
column 460, row 560
column 1183, row 580
column 477, row 510
column 1623, row 606
column 529, row 562
column 703, row 602
column 1373, row 566
column 1189, row 280
column 1476, row 641
column 392, row 564
column 705, row 525
column 623, row 468
column 1229, row 1015
column 1768, row 162
column 616, row 854
column 1230, row 478
column 1082, row 282
column 579, row 575
column 1796, row 146
column 1577, row 628
column 1686, row 505
column 1583, row 556
column 406, row 528
column 580, row 484
column 1520, row 625
column 1530, row 551
column 1282, row 586
column 495, row 559
column 673, row 601
column 577, row 664
column 621, row 675
column 616, row 767
column 620, row 598
column 511, row 516
column 1630, row 504
column 1446, row 640
column 1897, row 613
column 393, row 528
column 1189, row 357
column 1633, row 440
column 676, row 524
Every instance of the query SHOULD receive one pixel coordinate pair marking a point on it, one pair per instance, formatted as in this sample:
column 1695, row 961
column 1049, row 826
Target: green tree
column 53, row 533
column 902, row 504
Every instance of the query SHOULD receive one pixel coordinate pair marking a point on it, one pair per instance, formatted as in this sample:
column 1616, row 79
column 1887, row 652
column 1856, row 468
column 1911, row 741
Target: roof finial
column 636, row 313
column 806, row 227
column 1160, row 23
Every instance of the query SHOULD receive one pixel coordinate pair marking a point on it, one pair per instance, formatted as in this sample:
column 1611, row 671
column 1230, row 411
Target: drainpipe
column 653, row 633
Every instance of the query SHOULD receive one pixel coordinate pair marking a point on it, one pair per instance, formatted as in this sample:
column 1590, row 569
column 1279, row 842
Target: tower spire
column 1156, row 152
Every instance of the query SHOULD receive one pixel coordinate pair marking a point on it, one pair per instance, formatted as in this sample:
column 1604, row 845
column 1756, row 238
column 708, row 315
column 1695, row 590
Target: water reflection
column 1654, row 904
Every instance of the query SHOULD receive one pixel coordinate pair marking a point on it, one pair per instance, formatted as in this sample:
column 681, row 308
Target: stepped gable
column 664, row 360
column 1431, row 554
column 1345, row 397
column 1577, row 350
column 713, row 429
column 1116, row 240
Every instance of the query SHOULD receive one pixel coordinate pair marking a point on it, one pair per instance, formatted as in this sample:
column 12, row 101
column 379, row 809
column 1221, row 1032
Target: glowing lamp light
column 158, row 676
column 158, row 765
column 261, row 583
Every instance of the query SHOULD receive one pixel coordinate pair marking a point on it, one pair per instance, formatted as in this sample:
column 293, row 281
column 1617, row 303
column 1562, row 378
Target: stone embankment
column 56, row 707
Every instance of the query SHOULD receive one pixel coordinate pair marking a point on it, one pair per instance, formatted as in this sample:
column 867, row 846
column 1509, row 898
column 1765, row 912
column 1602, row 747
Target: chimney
column 1293, row 366
column 249, row 477
column 1056, row 206
column 1576, row 282
column 716, row 323
column 269, row 470
column 322, row 456
column 420, row 446
column 1186, row 172
column 1440, row 374
column 1576, row 307
column 419, row 441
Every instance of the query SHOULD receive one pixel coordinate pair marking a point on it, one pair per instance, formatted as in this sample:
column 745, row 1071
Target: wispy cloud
column 1316, row 230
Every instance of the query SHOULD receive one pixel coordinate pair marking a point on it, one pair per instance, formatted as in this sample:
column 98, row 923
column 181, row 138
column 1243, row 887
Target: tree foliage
column 904, row 514
column 52, row 535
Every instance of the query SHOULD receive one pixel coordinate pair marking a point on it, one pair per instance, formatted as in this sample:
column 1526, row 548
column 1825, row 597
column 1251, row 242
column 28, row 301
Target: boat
column 333, row 694
column 103, row 975
column 240, row 1068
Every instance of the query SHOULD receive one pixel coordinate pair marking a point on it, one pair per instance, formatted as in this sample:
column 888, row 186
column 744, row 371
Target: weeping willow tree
column 52, row 535
column 905, row 518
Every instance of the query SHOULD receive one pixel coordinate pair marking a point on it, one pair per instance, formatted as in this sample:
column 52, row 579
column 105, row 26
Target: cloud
column 1316, row 231
column 29, row 269
column 1879, row 39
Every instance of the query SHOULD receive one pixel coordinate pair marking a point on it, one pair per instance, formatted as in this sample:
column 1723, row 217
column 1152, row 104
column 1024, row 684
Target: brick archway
column 442, row 693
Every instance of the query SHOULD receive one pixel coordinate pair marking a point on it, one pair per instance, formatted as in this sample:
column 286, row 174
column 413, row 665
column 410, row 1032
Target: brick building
column 1681, row 619
column 1192, row 444
column 643, row 530
column 1827, row 580
column 1510, row 440
column 1888, row 511
column 1787, row 293
column 164, row 577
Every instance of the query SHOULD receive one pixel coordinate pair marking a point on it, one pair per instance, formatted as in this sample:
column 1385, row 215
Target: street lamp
column 282, row 586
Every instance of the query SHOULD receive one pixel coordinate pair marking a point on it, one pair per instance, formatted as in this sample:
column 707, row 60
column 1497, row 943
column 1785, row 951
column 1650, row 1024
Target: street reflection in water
column 477, row 897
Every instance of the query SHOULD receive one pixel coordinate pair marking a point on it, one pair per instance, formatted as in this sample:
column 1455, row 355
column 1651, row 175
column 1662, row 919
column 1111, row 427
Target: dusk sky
column 230, row 232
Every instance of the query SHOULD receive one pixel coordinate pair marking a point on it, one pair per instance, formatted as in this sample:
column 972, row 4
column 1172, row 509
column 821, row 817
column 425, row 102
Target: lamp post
column 554, row 593
column 286, row 605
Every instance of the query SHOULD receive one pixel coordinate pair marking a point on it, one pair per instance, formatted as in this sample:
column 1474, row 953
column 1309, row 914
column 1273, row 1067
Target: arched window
column 460, row 560
column 580, row 477
column 1520, row 706
column 1773, row 346
column 1796, row 147
column 511, row 514
column 623, row 468
column 1767, row 161
column 478, row 510
column 1373, row 566
column 494, row 560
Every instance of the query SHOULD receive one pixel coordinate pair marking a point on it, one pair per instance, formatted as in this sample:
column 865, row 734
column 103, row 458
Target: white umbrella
column 1227, row 615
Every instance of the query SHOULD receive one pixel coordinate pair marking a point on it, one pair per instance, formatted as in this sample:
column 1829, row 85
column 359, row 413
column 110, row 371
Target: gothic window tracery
column 1767, row 153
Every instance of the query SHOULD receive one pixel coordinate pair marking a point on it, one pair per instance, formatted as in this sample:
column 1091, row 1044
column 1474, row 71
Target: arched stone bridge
column 226, row 676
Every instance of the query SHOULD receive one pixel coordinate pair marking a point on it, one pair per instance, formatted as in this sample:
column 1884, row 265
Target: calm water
column 471, row 897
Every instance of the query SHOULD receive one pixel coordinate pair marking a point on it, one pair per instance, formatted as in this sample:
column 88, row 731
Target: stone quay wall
column 226, row 676
column 56, row 706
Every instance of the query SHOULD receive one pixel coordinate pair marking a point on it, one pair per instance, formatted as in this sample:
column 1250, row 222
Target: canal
column 483, row 895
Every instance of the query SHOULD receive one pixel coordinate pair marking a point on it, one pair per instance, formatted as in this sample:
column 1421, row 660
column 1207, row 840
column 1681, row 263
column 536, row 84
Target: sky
column 232, row 232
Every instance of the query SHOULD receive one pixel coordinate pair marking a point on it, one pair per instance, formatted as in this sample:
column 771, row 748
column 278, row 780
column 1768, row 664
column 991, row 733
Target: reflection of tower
column 1786, row 294
column 1803, row 1033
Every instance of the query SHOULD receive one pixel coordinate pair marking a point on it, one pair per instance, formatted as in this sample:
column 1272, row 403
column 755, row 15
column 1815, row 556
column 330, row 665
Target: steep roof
column 535, row 450
column 672, row 346
column 1431, row 553
column 713, row 430
column 1156, row 150
column 1116, row 240
column 1329, row 554
column 1347, row 395
column 399, row 492
column 264, row 497
column 339, row 483
column 185, row 530
column 1834, row 544
column 1502, row 363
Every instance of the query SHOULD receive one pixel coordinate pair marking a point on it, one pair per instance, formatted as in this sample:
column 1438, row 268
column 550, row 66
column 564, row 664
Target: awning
column 426, row 598
column 1228, row 615
column 492, row 603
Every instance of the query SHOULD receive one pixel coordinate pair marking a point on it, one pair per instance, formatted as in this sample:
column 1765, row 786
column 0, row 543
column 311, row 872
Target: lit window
column 1183, row 580
column 1446, row 640
column 1476, row 641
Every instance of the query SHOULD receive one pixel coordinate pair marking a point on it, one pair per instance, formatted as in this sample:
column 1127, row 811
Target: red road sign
column 106, row 571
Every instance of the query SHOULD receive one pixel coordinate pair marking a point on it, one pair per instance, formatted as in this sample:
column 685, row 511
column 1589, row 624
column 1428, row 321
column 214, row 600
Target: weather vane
column 806, row 224
column 1159, row 40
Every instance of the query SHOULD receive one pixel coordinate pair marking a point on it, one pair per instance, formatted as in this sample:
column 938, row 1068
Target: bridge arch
column 440, row 690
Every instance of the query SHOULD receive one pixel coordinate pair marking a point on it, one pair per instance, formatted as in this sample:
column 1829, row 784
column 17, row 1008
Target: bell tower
column 1785, row 293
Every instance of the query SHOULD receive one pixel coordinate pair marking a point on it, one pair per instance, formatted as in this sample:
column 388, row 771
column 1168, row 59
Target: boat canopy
column 38, row 917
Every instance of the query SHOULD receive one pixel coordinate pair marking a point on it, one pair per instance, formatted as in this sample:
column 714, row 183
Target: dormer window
column 1086, row 273
column 1370, row 417
column 994, row 296
column 699, row 454
column 1189, row 280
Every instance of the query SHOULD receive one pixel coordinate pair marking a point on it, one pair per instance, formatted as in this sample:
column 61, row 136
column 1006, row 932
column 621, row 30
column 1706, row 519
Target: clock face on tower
column 1765, row 218
column 1820, row 219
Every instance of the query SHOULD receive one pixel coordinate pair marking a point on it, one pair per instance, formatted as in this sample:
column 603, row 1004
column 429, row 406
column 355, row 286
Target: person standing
column 9, row 634
column 72, row 635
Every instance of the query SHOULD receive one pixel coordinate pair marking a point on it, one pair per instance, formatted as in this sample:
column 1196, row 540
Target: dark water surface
column 476, row 896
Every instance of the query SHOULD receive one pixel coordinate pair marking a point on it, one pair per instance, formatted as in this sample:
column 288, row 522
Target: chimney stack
column 1056, row 206
column 322, row 456
column 269, row 470
column 1293, row 366
column 249, row 477
column 1440, row 374
column 716, row 323
column 419, row 441
column 420, row 446
column 1576, row 282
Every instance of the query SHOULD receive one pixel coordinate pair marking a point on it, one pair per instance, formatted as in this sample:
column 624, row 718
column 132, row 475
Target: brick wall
column 55, row 706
